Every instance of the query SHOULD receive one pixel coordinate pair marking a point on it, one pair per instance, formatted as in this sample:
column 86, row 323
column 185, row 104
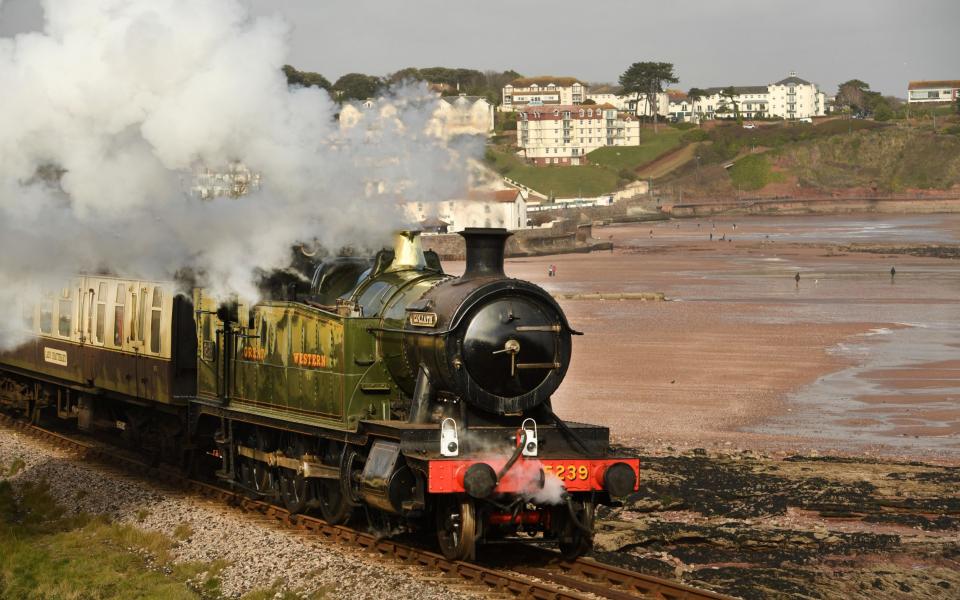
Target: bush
column 627, row 174
column 952, row 130
column 753, row 172
column 694, row 135
column 683, row 125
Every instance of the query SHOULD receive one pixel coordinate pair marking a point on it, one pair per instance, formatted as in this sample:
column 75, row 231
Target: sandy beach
column 848, row 359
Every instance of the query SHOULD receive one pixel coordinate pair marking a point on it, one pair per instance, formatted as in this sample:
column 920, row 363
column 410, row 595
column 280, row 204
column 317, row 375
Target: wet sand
column 849, row 359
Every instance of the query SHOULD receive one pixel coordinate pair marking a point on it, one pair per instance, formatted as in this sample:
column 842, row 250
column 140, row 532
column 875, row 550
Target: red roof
column 938, row 83
column 545, row 80
column 493, row 195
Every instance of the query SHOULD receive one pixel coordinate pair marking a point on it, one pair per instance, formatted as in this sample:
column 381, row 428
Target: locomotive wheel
column 574, row 540
column 262, row 477
column 335, row 505
column 457, row 527
column 293, row 490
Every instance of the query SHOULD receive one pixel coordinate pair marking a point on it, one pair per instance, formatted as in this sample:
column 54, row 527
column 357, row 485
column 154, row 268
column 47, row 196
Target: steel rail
column 582, row 579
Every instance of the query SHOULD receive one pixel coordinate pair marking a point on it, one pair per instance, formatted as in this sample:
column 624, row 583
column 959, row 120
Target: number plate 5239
column 568, row 472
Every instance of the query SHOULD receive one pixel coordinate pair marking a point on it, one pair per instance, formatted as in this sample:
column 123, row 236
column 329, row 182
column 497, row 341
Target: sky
column 727, row 42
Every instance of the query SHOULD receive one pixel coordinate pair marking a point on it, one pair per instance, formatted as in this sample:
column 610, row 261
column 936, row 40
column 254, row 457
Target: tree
column 693, row 95
column 647, row 78
column 856, row 97
column 589, row 101
column 730, row 93
column 357, row 86
column 305, row 78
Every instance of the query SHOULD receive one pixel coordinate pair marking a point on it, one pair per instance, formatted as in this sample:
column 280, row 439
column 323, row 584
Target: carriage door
column 209, row 335
column 93, row 314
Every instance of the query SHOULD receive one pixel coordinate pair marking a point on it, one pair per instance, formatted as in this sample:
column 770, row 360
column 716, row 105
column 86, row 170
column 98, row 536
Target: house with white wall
column 480, row 208
column 452, row 115
column 927, row 92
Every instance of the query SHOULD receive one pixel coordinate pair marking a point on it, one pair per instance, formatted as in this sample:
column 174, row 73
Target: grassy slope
column 586, row 180
column 631, row 157
column 560, row 182
column 831, row 156
column 892, row 159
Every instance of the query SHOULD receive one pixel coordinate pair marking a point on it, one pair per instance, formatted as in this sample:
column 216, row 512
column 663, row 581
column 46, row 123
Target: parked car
column 749, row 126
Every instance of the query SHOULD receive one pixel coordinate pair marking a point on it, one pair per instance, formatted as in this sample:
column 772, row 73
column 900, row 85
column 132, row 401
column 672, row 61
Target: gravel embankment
column 258, row 555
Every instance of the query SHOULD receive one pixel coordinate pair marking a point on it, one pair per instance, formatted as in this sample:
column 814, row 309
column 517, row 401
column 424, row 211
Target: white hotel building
column 565, row 134
column 792, row 98
column 542, row 91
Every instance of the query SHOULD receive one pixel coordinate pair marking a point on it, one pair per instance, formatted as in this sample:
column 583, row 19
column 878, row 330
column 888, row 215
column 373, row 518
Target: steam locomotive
column 381, row 384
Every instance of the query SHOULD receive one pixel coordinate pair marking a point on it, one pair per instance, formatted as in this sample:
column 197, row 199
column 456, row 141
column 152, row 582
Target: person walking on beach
column 797, row 278
column 893, row 273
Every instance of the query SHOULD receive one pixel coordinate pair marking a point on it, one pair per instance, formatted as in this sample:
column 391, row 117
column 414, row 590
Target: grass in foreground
column 48, row 554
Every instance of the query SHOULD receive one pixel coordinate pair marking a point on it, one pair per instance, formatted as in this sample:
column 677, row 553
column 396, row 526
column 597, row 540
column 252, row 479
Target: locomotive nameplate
column 54, row 356
column 306, row 359
column 423, row 319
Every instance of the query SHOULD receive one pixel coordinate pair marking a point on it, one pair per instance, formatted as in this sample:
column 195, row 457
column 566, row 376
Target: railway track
column 551, row 578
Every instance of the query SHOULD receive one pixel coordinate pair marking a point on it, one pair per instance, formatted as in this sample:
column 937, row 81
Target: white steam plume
column 125, row 97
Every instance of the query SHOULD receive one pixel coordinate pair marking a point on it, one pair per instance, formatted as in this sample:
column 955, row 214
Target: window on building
column 155, row 313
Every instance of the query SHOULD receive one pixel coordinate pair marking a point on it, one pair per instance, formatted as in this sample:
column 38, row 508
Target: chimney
column 407, row 252
column 485, row 249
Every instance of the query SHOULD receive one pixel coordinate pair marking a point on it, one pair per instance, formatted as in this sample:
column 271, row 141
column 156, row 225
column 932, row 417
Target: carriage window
column 142, row 327
column 133, row 315
column 118, row 316
column 65, row 315
column 46, row 315
column 28, row 315
column 155, row 312
column 101, row 312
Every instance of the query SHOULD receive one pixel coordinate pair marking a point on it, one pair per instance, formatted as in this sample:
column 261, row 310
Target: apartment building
column 630, row 102
column 542, row 91
column 752, row 101
column 922, row 92
column 791, row 98
column 565, row 134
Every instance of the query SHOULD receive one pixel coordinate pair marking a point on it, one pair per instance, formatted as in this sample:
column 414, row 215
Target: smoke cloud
column 107, row 111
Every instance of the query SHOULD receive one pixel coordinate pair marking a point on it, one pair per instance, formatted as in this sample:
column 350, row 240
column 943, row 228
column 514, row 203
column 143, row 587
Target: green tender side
column 298, row 363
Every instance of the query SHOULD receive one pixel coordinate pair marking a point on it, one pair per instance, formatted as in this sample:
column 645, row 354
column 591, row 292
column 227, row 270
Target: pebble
column 258, row 555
